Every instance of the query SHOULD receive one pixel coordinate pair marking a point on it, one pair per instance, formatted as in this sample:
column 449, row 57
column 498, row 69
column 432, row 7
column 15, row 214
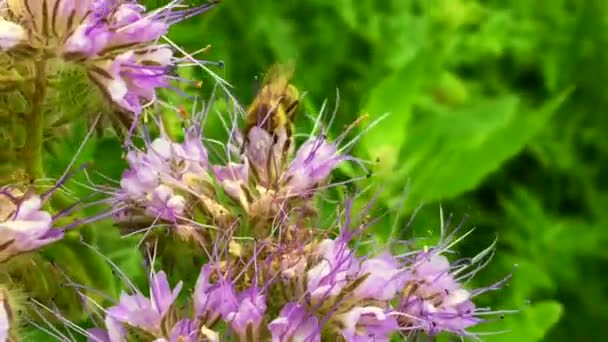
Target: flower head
column 159, row 180
column 311, row 166
column 384, row 278
column 115, row 40
column 433, row 299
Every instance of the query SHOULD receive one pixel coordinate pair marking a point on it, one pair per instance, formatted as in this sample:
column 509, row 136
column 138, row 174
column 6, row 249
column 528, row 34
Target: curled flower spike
column 319, row 291
column 24, row 226
column 115, row 40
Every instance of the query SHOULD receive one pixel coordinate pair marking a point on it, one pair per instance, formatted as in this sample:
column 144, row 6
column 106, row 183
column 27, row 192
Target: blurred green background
column 497, row 111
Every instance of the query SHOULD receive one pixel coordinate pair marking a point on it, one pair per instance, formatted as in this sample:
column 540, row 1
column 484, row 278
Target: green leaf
column 447, row 153
column 393, row 95
column 530, row 325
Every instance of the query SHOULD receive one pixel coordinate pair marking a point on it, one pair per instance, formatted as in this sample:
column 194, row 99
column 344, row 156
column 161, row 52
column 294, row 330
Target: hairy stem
column 35, row 124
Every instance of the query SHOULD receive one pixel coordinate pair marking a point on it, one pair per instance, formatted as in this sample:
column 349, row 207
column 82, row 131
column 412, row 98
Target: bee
column 276, row 104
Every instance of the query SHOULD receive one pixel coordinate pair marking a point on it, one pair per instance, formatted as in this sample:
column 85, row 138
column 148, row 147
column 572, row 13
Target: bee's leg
column 292, row 109
column 245, row 141
column 289, row 132
column 275, row 138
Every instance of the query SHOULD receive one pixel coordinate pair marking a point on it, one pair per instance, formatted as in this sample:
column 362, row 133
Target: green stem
column 35, row 124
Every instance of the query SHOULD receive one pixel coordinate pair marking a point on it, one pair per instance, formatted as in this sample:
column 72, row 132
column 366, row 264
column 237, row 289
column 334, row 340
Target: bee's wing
column 278, row 77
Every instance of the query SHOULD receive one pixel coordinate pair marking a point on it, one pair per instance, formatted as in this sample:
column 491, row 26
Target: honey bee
column 276, row 104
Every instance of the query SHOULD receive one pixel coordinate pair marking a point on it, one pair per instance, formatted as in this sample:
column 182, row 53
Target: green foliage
column 530, row 325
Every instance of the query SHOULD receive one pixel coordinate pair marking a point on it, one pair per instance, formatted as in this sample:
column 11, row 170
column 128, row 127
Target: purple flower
column 311, row 166
column 131, row 78
column 295, row 324
column 212, row 300
column 157, row 180
column 141, row 312
column 114, row 332
column 185, row 330
column 313, row 163
column 115, row 40
column 265, row 155
column 384, row 278
column 97, row 335
column 26, row 228
column 433, row 300
column 369, row 323
column 336, row 264
column 249, row 311
column 233, row 178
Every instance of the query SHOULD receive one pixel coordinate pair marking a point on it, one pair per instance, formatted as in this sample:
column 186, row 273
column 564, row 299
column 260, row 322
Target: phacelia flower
column 160, row 179
column 115, row 40
column 337, row 263
column 275, row 272
column 271, row 179
column 211, row 300
column 138, row 311
column 248, row 314
column 384, row 279
column 433, row 300
column 295, row 324
column 187, row 330
column 311, row 166
column 24, row 226
column 368, row 323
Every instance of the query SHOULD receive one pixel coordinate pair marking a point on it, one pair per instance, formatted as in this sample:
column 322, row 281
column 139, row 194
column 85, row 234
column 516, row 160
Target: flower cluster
column 115, row 41
column 158, row 317
column 271, row 272
column 320, row 291
column 175, row 181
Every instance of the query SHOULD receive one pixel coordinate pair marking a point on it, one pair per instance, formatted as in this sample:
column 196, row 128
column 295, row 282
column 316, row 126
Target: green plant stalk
column 35, row 124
